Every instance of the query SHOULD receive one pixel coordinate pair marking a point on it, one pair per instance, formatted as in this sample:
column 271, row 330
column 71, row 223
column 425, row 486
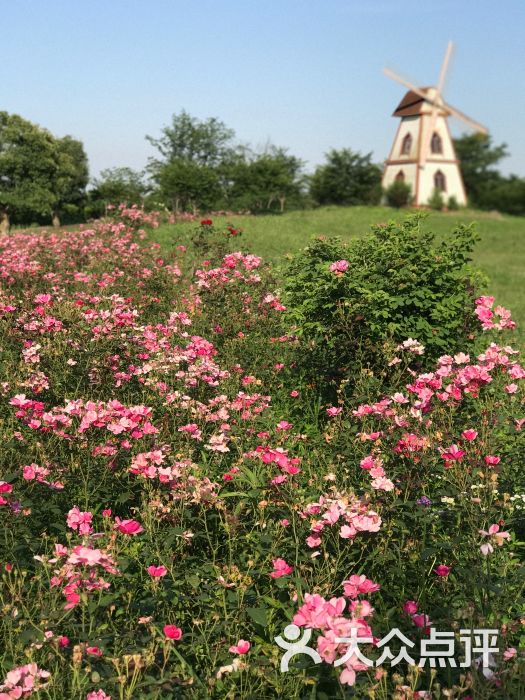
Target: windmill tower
column 423, row 154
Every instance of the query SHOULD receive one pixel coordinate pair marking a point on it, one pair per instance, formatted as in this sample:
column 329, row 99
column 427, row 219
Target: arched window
column 440, row 182
column 400, row 177
column 436, row 144
column 406, row 145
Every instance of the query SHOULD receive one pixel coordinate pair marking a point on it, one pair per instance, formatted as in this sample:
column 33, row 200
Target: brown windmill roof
column 410, row 105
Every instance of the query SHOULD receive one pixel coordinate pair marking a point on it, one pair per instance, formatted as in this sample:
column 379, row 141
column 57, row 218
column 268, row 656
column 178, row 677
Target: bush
column 452, row 204
column 355, row 302
column 398, row 194
column 436, row 200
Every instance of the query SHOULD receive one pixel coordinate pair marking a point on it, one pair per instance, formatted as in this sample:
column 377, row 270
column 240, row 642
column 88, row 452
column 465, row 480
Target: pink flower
column 511, row 388
column 509, row 653
column 157, row 571
column 128, row 527
column 242, row 647
column 356, row 585
column 410, row 607
column 280, row 568
column 469, row 434
column 422, row 621
column 98, row 695
column 339, row 266
column 442, row 570
column 492, row 460
column 294, row 393
column 172, row 632
column 333, row 411
column 453, row 453
column 94, row 651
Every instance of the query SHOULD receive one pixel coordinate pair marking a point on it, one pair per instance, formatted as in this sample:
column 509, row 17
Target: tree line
column 199, row 166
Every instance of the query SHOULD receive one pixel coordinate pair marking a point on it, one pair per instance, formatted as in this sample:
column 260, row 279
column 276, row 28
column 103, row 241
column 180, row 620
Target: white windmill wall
column 421, row 179
column 446, row 162
column 399, row 162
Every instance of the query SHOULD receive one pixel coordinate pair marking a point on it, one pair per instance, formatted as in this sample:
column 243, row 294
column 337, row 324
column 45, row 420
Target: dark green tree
column 478, row 156
column 192, row 153
column 188, row 186
column 192, row 140
column 29, row 165
column 264, row 182
column 116, row 186
column 71, row 179
column 347, row 178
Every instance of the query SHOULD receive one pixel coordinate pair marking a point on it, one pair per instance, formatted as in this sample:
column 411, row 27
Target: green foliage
column 506, row 195
column 436, row 200
column 116, row 186
column 347, row 178
column 189, row 139
column 477, row 156
column 399, row 284
column 452, row 204
column 398, row 194
column 28, row 167
column 71, row 179
column 188, row 186
column 41, row 176
column 263, row 182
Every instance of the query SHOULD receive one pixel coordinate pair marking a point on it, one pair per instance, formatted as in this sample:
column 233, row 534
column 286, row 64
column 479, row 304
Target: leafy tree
column 347, row 178
column 265, row 181
column 507, row 195
column 192, row 152
column 436, row 200
column 188, row 186
column 478, row 155
column 71, row 178
column 29, row 165
column 116, row 186
column 398, row 194
column 188, row 139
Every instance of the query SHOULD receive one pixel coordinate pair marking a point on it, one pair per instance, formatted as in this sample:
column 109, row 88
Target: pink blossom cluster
column 234, row 267
column 349, row 513
column 22, row 681
column 487, row 315
column 328, row 617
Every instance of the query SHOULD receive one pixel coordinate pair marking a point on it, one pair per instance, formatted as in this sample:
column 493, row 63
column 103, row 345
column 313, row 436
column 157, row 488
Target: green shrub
column 436, row 200
column 452, row 204
column 398, row 194
column 399, row 284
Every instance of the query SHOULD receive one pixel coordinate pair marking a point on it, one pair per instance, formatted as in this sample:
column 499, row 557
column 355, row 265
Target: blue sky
column 305, row 74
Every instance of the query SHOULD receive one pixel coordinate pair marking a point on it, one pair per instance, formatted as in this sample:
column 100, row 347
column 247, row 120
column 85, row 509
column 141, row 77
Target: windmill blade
column 444, row 68
column 435, row 108
column 411, row 86
column 445, row 107
column 404, row 81
column 461, row 115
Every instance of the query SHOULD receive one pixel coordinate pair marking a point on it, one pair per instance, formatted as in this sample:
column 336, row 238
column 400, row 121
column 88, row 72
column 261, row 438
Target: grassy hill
column 500, row 253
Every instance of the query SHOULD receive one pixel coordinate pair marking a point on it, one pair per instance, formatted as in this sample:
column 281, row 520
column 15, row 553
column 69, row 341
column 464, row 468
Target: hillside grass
column 500, row 253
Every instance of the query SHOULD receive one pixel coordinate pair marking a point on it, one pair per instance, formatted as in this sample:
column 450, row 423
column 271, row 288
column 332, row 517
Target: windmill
column 423, row 154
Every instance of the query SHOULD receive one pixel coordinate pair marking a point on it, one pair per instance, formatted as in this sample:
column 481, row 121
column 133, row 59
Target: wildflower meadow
column 207, row 460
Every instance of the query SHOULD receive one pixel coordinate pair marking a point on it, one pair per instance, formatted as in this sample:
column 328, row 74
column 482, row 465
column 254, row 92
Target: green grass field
column 500, row 252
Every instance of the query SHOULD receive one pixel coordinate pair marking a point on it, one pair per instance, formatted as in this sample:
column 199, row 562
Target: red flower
column 172, row 632
column 206, row 222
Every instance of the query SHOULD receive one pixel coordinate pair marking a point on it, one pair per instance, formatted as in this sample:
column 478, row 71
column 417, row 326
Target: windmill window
column 436, row 144
column 400, row 177
column 406, row 145
column 440, row 182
